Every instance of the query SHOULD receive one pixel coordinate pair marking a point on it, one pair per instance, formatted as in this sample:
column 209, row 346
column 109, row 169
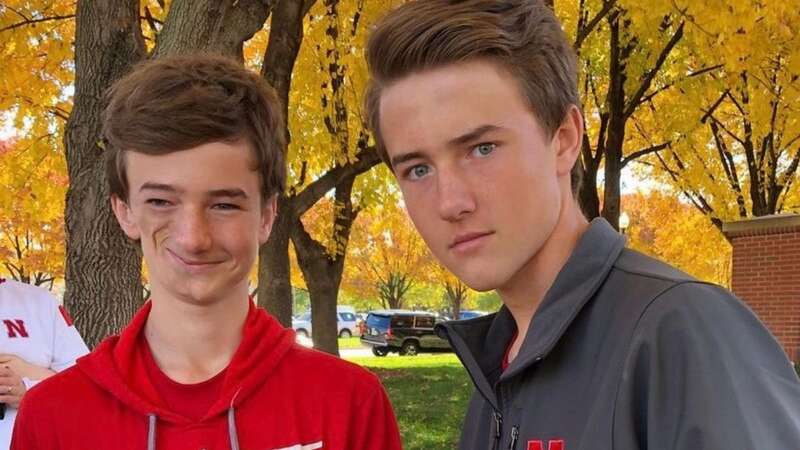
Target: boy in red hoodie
column 195, row 165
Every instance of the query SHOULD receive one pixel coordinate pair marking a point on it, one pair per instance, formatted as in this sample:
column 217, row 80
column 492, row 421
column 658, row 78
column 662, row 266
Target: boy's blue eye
column 483, row 149
column 418, row 171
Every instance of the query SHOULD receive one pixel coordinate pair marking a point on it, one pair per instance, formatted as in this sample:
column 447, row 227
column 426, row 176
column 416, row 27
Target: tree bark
column 103, row 268
column 588, row 198
column 323, row 271
column 456, row 293
column 216, row 26
column 392, row 291
column 615, row 105
column 274, row 269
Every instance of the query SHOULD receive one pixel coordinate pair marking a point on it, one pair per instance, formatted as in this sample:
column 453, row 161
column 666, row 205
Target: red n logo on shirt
column 551, row 445
column 16, row 328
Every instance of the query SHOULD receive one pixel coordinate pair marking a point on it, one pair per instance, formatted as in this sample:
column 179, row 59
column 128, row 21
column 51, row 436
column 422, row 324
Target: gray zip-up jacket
column 627, row 353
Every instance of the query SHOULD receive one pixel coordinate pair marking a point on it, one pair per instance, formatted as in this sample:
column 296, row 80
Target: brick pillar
column 766, row 273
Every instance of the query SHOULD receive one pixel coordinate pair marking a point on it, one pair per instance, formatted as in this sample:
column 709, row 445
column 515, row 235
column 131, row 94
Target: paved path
column 356, row 352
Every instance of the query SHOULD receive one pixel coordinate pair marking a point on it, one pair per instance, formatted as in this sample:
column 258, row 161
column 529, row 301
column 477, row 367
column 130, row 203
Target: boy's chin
column 205, row 292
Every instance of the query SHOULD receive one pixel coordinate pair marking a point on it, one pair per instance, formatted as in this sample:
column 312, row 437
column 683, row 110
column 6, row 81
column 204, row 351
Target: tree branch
column 34, row 21
column 636, row 100
column 644, row 152
column 702, row 71
column 366, row 159
column 585, row 30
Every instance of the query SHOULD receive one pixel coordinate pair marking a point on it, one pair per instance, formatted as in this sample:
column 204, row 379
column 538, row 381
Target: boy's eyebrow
column 455, row 142
column 233, row 192
column 405, row 157
column 157, row 187
column 229, row 192
column 472, row 135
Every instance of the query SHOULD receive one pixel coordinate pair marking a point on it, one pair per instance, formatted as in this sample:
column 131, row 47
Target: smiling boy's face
column 199, row 216
column 483, row 182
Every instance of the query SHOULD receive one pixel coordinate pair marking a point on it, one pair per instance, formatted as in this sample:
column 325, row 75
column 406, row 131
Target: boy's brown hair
column 181, row 102
column 522, row 36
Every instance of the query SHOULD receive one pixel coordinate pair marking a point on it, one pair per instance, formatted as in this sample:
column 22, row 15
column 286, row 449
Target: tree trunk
column 615, row 103
column 323, row 290
column 274, row 276
column 393, row 290
column 587, row 195
column 323, row 271
column 103, row 268
column 274, row 269
column 456, row 294
column 216, row 26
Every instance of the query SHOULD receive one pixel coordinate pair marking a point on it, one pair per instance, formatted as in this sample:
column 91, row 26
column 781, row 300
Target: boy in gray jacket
column 474, row 106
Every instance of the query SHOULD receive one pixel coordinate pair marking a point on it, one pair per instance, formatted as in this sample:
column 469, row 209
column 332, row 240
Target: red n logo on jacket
column 16, row 328
column 551, row 445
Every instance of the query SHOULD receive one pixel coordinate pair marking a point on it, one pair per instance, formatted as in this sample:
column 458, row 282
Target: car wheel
column 378, row 351
column 302, row 332
column 410, row 348
column 345, row 333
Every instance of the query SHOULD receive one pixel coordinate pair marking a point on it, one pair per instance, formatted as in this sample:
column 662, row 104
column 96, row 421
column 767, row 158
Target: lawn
column 429, row 394
column 351, row 342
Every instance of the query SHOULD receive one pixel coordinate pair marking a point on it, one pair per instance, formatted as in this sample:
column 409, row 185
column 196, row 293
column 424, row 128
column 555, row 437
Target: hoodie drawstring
column 232, row 434
column 232, row 429
column 151, row 432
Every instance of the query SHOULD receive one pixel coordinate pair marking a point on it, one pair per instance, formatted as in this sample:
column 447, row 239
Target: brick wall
column 766, row 273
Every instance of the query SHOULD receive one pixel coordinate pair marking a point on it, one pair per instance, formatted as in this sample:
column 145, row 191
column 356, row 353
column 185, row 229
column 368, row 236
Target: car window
column 347, row 317
column 403, row 321
column 425, row 321
column 306, row 316
column 379, row 322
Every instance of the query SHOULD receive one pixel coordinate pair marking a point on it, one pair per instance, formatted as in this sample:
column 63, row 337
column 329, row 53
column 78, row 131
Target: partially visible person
column 37, row 339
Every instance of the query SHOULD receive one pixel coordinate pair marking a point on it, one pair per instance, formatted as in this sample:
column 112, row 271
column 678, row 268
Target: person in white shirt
column 37, row 339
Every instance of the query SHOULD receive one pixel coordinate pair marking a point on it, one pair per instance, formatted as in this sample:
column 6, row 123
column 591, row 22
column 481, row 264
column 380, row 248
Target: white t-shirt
column 36, row 328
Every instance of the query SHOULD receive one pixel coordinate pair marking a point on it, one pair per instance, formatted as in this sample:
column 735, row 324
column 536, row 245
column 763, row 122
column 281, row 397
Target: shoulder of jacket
column 61, row 392
column 636, row 264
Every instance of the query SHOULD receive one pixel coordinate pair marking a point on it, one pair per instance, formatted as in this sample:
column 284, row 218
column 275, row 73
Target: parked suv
column 346, row 322
column 406, row 332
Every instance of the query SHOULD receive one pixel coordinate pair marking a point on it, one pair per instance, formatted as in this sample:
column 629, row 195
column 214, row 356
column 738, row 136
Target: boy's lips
column 192, row 264
column 468, row 241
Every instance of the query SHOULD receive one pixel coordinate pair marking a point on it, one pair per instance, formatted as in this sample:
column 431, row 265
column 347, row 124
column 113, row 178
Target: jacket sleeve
column 374, row 424
column 703, row 373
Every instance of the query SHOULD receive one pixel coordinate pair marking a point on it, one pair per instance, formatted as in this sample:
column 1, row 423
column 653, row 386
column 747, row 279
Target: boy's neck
column 193, row 342
column 525, row 292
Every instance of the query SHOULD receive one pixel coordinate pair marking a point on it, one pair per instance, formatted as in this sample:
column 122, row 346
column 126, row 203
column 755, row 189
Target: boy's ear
column 568, row 139
column 268, row 212
column 125, row 218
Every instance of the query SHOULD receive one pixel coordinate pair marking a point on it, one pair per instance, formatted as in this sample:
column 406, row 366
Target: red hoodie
column 275, row 395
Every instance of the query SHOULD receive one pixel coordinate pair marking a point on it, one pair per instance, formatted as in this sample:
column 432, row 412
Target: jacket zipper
column 514, row 437
column 498, row 424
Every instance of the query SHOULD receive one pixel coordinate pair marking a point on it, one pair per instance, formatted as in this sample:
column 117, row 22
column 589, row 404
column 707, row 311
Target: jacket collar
column 480, row 343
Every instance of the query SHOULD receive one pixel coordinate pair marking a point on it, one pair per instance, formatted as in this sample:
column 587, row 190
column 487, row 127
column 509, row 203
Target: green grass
column 351, row 342
column 429, row 394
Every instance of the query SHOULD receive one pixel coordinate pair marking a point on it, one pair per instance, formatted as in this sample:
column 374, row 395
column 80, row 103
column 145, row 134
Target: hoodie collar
column 480, row 343
column 116, row 365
